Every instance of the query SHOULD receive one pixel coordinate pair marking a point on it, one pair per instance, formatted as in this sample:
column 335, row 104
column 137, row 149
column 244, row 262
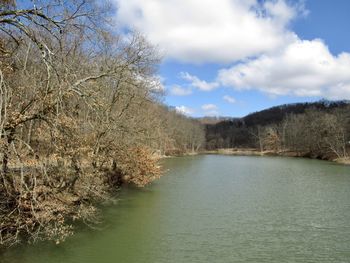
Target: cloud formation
column 184, row 110
column 176, row 90
column 195, row 82
column 303, row 68
column 251, row 35
column 199, row 31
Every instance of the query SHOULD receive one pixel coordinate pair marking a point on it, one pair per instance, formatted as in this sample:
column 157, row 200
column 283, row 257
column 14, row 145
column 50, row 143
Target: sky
column 234, row 57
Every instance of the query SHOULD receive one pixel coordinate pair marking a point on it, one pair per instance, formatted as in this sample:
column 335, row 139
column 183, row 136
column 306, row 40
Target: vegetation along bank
column 80, row 115
column 315, row 130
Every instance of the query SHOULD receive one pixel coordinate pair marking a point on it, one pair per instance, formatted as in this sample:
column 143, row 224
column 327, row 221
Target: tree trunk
column 6, row 152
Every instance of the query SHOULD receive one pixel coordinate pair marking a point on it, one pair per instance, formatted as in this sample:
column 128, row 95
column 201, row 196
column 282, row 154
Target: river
column 215, row 208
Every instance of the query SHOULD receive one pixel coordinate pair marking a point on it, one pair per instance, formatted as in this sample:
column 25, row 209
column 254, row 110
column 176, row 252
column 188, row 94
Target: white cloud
column 179, row 91
column 209, row 107
column 200, row 31
column 254, row 33
column 184, row 110
column 281, row 11
column 154, row 83
column 303, row 68
column 229, row 99
column 198, row 83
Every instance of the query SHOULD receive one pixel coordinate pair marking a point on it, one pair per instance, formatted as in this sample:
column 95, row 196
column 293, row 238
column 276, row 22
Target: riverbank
column 42, row 198
column 345, row 161
column 257, row 152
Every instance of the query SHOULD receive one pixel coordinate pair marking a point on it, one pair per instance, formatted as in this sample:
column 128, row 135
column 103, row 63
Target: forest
column 318, row 130
column 81, row 114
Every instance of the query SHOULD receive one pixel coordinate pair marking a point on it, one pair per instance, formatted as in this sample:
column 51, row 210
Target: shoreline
column 256, row 152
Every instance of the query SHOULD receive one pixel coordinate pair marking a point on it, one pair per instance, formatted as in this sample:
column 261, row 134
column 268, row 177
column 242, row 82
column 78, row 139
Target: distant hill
column 276, row 114
column 225, row 132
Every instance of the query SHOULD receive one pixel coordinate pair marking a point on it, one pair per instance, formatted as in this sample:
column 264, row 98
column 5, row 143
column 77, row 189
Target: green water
column 219, row 209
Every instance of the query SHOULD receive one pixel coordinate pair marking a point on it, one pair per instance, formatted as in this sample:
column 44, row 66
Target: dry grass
column 343, row 161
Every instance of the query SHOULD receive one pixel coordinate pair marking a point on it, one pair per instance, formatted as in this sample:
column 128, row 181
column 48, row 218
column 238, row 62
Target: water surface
column 219, row 209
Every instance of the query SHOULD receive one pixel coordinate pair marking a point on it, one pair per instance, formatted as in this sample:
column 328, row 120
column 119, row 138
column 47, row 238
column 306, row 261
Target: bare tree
column 79, row 116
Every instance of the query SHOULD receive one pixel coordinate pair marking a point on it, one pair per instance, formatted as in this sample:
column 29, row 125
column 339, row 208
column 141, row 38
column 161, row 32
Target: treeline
column 80, row 114
column 318, row 130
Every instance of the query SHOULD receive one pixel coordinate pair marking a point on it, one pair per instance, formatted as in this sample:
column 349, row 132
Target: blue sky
column 233, row 57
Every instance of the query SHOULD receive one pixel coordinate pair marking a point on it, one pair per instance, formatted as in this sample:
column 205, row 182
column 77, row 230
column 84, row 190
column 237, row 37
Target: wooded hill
column 277, row 114
column 320, row 129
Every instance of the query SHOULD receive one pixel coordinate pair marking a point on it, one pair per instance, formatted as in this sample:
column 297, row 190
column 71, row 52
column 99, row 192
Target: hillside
column 278, row 113
column 243, row 132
